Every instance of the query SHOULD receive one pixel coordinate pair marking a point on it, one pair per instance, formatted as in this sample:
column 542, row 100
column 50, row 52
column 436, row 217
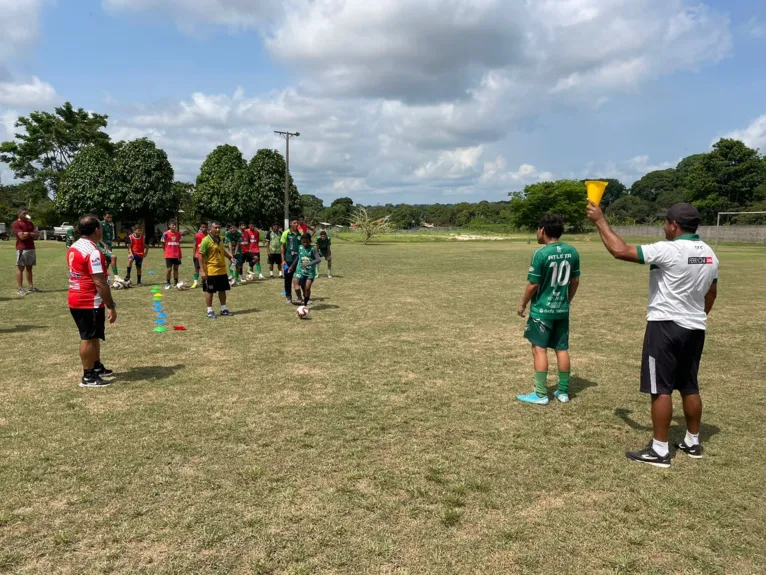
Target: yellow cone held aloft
column 595, row 190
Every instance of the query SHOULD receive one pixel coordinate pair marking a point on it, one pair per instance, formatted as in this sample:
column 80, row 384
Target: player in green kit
column 233, row 241
column 554, row 276
column 305, row 270
column 325, row 251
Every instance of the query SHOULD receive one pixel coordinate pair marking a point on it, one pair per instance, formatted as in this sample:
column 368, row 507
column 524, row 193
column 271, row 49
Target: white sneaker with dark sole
column 94, row 382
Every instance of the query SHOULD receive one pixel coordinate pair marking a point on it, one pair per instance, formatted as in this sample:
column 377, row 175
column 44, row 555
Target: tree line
column 69, row 166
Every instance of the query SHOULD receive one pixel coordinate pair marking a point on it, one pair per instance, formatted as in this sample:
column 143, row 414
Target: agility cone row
column 157, row 307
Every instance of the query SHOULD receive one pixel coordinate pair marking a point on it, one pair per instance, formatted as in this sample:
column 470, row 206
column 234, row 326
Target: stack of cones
column 161, row 315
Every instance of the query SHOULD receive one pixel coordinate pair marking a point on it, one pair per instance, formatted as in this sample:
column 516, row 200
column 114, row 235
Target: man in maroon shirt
column 26, row 256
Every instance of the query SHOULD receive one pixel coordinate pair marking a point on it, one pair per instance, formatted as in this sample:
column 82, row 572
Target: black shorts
column 248, row 258
column 275, row 259
column 671, row 358
column 213, row 284
column 138, row 260
column 170, row 262
column 90, row 322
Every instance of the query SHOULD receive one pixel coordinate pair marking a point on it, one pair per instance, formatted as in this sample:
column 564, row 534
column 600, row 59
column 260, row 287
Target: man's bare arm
column 574, row 283
column 710, row 297
column 529, row 293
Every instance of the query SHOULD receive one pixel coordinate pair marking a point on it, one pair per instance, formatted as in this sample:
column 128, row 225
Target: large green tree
column 406, row 216
column 632, row 208
column 312, row 208
column 564, row 197
column 89, row 185
column 653, row 184
column 146, row 182
column 268, row 171
column 225, row 189
column 48, row 143
column 340, row 211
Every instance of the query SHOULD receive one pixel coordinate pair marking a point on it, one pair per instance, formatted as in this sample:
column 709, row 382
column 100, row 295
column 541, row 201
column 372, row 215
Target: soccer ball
column 127, row 284
column 181, row 286
column 303, row 312
column 250, row 277
column 118, row 283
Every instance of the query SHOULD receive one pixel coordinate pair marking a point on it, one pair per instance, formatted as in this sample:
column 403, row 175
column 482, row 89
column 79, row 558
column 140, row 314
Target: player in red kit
column 199, row 236
column 136, row 252
column 246, row 255
column 90, row 299
column 171, row 242
column 255, row 250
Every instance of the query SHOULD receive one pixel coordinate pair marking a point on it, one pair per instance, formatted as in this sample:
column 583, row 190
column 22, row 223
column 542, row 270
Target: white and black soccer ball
column 118, row 283
column 303, row 312
column 250, row 277
column 181, row 286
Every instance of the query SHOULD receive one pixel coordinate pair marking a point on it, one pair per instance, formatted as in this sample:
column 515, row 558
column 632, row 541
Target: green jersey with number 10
column 552, row 268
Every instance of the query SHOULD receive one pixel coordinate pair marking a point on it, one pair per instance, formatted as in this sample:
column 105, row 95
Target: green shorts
column 107, row 255
column 239, row 259
column 548, row 333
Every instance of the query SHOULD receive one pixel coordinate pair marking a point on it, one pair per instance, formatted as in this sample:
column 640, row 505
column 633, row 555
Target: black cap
column 684, row 214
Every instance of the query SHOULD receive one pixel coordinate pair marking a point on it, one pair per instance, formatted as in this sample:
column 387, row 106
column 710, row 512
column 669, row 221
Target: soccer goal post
column 718, row 222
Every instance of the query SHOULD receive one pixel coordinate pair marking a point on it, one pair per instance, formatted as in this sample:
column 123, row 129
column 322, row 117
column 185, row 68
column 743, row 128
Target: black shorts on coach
column 90, row 322
column 671, row 358
column 213, row 284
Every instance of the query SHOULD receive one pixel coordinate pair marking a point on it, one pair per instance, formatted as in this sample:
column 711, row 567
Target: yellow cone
column 595, row 190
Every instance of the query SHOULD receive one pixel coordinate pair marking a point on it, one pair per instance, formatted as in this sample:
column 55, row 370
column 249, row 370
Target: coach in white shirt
column 683, row 276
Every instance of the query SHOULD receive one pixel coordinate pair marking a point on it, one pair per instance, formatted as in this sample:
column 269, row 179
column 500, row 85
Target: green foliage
column 653, row 184
column 732, row 171
column 312, row 208
column 670, row 198
column 633, row 208
column 89, row 185
column 146, row 181
column 340, row 212
column 405, row 217
column 225, row 186
column 31, row 195
column 564, row 197
column 48, row 143
column 268, row 172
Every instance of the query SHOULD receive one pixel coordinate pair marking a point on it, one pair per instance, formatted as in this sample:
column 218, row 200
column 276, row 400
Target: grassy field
column 382, row 436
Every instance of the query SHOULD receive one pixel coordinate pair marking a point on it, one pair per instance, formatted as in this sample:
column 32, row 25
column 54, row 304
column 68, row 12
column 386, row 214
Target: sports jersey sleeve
column 575, row 265
column 535, row 274
column 96, row 262
column 283, row 240
column 658, row 254
column 204, row 246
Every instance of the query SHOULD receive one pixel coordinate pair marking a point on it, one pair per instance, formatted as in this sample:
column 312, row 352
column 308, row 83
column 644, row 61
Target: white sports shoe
column 260, row 277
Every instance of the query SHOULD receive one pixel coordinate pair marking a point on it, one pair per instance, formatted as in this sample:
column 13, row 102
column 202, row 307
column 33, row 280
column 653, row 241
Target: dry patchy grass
column 381, row 436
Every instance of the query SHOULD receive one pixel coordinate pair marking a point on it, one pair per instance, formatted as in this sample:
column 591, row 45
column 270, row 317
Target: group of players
column 290, row 251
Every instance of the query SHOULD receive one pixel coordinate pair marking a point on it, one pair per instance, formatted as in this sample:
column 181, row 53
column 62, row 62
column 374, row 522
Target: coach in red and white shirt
column 90, row 299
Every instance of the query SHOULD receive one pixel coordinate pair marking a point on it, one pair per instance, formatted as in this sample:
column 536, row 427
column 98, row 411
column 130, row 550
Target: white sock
column 224, row 308
column 660, row 447
column 692, row 439
column 210, row 309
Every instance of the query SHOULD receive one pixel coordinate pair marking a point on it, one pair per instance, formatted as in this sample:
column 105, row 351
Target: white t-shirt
column 680, row 277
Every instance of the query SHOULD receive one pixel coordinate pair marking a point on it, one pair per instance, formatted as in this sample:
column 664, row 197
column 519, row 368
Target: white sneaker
column 167, row 286
column 280, row 274
column 260, row 277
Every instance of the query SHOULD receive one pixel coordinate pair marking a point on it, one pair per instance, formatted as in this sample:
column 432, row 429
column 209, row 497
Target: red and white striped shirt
column 84, row 259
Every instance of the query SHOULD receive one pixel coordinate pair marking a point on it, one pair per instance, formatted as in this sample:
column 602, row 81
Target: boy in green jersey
column 305, row 269
column 233, row 241
column 325, row 251
column 554, row 276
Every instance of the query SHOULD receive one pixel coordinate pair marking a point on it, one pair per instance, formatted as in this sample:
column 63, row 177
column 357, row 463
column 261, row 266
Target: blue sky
column 410, row 101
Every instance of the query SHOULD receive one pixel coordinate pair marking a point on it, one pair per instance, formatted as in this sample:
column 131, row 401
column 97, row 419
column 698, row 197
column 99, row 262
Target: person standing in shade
column 213, row 255
column 198, row 237
column 683, row 286
column 554, row 276
column 290, row 244
column 107, row 225
column 26, row 256
column 274, row 249
column 89, row 294
column 171, row 241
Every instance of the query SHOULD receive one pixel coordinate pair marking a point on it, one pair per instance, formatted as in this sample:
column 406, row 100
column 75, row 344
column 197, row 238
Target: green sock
column 114, row 270
column 236, row 275
column 196, row 277
column 541, row 378
column 258, row 269
column 563, row 382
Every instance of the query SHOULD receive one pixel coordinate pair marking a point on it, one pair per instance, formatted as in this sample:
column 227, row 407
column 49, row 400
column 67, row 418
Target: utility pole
column 287, row 136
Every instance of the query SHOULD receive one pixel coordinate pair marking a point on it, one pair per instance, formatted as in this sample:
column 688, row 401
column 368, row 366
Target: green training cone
column 160, row 329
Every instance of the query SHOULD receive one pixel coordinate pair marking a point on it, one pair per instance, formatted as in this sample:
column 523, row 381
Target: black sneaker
column 694, row 451
column 649, row 456
column 226, row 312
column 101, row 371
column 93, row 381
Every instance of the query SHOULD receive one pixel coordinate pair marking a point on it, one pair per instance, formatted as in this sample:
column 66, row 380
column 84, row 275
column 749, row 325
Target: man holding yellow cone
column 683, row 277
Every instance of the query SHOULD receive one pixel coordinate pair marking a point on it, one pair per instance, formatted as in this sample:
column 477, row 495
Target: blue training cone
column 162, row 315
column 159, row 321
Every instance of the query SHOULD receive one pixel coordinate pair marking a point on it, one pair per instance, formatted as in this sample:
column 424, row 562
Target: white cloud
column 27, row 94
column 19, row 26
column 754, row 136
column 496, row 173
column 627, row 171
column 755, row 28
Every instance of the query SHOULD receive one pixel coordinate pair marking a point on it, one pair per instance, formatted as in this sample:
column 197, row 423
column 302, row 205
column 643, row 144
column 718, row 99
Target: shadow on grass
column 22, row 328
column 324, row 306
column 148, row 373
column 245, row 311
column 677, row 428
column 578, row 385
